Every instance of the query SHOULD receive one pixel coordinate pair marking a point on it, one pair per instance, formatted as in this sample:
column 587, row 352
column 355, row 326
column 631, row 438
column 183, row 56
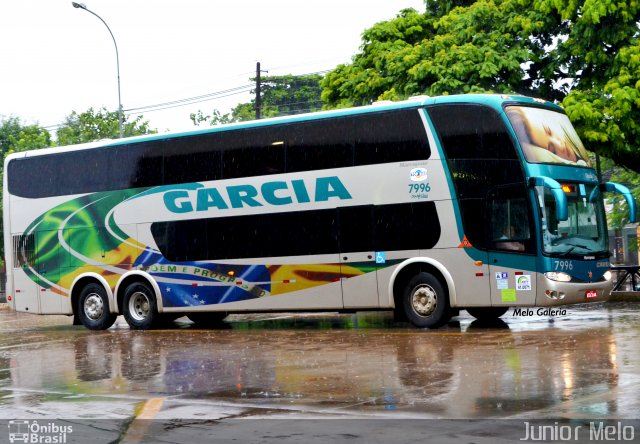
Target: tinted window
column 365, row 228
column 406, row 226
column 394, row 136
column 390, row 137
column 509, row 225
column 480, row 155
column 265, row 235
column 191, row 159
column 356, row 228
column 321, row 145
column 46, row 175
column 473, row 178
column 472, row 132
column 473, row 215
column 133, row 165
column 254, row 152
column 182, row 241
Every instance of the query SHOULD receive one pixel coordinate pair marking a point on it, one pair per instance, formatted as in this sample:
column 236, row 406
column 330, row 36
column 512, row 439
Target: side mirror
column 621, row 189
column 562, row 208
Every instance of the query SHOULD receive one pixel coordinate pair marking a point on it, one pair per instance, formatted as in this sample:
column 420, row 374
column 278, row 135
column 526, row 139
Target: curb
column 625, row 296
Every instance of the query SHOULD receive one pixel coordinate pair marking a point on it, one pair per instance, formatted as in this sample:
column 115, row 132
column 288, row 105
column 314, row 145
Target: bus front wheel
column 425, row 302
column 93, row 308
column 140, row 308
column 487, row 313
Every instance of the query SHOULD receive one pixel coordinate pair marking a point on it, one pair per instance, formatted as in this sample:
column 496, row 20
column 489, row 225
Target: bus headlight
column 607, row 275
column 557, row 276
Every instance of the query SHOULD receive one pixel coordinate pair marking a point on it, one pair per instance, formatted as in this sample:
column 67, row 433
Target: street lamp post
column 83, row 6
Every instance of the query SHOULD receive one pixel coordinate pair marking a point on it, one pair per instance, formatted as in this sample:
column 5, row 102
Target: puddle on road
column 331, row 363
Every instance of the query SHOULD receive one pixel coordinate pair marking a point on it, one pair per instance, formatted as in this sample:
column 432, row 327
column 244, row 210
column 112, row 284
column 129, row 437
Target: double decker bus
column 424, row 207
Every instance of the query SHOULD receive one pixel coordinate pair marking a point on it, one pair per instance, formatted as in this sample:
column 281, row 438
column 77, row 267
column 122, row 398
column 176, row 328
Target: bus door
column 25, row 290
column 48, row 267
column 511, row 253
column 357, row 257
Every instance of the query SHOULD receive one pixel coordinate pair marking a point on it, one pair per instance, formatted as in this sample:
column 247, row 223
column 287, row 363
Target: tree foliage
column 617, row 210
column 281, row 96
column 16, row 136
column 584, row 54
column 94, row 125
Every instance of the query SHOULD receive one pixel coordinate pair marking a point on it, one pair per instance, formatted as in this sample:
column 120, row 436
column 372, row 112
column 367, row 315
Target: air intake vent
column 24, row 250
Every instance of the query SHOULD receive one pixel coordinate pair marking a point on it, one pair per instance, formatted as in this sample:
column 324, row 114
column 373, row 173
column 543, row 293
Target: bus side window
column 252, row 152
column 480, row 155
column 319, row 145
column 509, row 224
column 389, row 137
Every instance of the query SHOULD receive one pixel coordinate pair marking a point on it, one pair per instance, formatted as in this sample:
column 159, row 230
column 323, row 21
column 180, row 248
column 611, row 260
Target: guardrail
column 627, row 278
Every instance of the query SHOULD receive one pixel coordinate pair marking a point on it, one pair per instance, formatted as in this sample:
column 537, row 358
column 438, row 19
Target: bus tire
column 212, row 319
column 93, row 308
column 487, row 313
column 425, row 301
column 140, row 307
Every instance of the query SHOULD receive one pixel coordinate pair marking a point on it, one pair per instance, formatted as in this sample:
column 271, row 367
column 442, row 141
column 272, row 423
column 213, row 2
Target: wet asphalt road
column 321, row 377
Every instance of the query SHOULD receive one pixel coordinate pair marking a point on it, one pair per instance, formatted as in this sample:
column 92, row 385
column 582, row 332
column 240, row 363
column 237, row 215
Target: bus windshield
column 584, row 232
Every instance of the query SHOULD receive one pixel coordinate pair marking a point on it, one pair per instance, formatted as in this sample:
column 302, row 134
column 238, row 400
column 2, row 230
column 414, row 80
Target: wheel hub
column 93, row 306
column 139, row 306
column 424, row 300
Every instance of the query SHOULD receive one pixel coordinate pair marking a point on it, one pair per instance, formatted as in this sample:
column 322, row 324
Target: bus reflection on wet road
column 585, row 364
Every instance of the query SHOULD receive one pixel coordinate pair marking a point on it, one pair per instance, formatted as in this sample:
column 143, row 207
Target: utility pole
column 258, row 98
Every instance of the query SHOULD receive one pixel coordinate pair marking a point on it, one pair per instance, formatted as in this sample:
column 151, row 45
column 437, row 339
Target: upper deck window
column 336, row 142
column 547, row 136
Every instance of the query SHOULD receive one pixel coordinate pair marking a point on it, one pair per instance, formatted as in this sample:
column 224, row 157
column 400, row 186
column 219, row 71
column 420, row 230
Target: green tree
column 281, row 96
column 618, row 213
column 583, row 53
column 96, row 125
column 477, row 48
column 289, row 94
column 9, row 130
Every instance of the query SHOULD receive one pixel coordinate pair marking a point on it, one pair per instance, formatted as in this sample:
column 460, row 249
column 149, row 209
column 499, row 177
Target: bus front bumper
column 551, row 293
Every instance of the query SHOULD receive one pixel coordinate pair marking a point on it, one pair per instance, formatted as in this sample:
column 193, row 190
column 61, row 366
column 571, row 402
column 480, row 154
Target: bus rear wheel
column 487, row 313
column 140, row 308
column 93, row 308
column 425, row 302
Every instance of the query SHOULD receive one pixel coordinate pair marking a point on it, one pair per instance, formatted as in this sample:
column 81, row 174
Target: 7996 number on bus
column 419, row 188
column 564, row 265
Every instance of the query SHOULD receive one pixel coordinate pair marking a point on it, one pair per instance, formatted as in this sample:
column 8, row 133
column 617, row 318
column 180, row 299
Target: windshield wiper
column 565, row 253
column 578, row 245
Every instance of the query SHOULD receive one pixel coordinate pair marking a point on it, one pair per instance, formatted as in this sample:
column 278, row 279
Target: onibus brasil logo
column 34, row 432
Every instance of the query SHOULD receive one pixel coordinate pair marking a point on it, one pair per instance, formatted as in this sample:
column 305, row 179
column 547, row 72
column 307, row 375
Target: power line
column 205, row 97
column 176, row 104
column 193, row 100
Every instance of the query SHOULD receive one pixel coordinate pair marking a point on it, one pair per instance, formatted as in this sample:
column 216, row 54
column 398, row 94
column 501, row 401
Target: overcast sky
column 56, row 59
